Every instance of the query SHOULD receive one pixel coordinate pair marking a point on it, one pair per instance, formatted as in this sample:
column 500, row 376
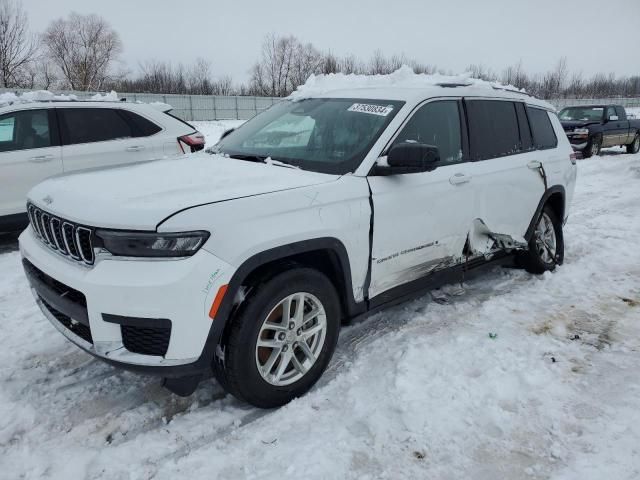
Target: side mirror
column 613, row 118
column 226, row 133
column 410, row 158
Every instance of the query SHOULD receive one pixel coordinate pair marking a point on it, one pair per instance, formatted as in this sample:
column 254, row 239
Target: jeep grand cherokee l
column 247, row 260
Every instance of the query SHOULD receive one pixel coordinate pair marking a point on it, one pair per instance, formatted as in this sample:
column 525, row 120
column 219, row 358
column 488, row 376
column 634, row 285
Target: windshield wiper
column 262, row 159
column 249, row 158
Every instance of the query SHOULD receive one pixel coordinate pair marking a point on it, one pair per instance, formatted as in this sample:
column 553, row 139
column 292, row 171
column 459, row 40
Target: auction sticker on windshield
column 381, row 110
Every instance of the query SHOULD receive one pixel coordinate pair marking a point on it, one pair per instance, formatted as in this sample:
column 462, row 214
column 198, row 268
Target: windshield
column 582, row 114
column 328, row 135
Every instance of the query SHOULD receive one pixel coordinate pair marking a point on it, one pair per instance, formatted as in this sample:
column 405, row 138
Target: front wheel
column 593, row 148
column 282, row 338
column 546, row 246
column 634, row 147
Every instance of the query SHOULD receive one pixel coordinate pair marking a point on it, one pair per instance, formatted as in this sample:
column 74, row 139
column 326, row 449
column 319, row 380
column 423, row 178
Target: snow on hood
column 141, row 196
column 403, row 77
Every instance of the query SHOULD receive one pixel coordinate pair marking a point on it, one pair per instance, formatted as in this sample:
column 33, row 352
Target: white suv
column 42, row 139
column 247, row 259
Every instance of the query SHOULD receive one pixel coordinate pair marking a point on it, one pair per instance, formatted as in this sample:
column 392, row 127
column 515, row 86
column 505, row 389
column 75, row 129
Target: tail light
column 191, row 143
column 573, row 157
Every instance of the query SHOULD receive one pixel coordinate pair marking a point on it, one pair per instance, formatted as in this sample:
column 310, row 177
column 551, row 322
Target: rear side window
column 24, row 130
column 526, row 138
column 543, row 134
column 141, row 126
column 437, row 124
column 87, row 125
column 493, row 129
column 622, row 113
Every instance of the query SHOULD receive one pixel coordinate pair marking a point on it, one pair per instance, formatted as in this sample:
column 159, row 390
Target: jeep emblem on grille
column 48, row 200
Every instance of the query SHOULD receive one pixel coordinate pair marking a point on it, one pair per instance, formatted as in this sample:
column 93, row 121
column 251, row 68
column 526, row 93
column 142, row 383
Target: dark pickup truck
column 591, row 127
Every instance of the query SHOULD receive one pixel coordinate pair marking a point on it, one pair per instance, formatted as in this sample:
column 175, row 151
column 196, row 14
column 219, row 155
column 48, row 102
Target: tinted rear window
column 543, row 134
column 141, row 126
column 493, row 129
column 87, row 125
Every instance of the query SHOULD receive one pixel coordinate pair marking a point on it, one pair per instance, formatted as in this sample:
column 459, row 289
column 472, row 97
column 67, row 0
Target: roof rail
column 59, row 100
column 512, row 90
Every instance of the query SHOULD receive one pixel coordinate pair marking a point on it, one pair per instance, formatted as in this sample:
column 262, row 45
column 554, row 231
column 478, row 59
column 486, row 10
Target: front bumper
column 578, row 141
column 151, row 291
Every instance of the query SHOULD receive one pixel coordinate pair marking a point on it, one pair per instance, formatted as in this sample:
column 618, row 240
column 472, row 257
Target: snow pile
column 112, row 96
column 403, row 77
column 35, row 96
column 9, row 98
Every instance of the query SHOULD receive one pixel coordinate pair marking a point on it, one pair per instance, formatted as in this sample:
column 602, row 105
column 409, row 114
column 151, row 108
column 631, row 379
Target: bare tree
column 284, row 64
column 223, row 86
column 199, row 77
column 84, row 47
column 18, row 48
column 379, row 65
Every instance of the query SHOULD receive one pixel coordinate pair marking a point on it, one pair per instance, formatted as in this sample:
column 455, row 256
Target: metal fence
column 215, row 107
column 565, row 102
column 190, row 107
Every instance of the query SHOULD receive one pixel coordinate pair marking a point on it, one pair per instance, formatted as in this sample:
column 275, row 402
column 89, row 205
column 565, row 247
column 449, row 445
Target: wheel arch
column 555, row 197
column 327, row 255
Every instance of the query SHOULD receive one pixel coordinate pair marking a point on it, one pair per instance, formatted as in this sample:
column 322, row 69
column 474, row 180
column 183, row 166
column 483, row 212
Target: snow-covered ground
column 418, row 391
column 214, row 129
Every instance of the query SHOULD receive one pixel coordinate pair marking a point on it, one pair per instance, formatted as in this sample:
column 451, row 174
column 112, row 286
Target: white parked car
column 247, row 260
column 42, row 139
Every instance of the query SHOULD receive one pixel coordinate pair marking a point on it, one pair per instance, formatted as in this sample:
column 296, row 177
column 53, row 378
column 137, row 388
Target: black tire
column 239, row 374
column 532, row 259
column 593, row 147
column 634, row 147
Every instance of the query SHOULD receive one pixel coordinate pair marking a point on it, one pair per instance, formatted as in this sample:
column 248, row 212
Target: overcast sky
column 594, row 35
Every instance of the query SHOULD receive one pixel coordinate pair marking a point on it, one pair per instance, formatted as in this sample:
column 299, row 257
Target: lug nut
column 282, row 336
column 292, row 325
column 299, row 332
column 285, row 348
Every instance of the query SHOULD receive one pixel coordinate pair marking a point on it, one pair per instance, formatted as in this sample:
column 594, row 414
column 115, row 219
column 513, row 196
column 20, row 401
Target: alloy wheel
column 291, row 339
column 545, row 236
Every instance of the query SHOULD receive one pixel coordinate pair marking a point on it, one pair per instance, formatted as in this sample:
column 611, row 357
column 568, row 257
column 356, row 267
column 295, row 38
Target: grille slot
column 146, row 340
column 79, row 329
column 67, row 238
column 59, row 287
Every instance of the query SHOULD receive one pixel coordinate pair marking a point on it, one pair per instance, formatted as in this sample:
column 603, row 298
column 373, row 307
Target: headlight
column 151, row 244
column 581, row 131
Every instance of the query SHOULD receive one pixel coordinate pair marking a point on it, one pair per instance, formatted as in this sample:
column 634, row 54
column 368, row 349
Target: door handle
column 135, row 148
column 459, row 179
column 534, row 164
column 41, row 158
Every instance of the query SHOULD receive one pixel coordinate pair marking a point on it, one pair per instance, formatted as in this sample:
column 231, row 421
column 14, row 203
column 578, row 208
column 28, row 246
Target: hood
column 569, row 125
column 141, row 196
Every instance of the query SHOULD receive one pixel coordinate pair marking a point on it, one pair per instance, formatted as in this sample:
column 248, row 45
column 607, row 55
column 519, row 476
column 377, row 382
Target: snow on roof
column 9, row 98
column 404, row 77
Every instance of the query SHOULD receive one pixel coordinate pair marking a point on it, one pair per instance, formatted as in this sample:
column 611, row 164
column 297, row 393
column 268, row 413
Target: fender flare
column 555, row 189
column 281, row 252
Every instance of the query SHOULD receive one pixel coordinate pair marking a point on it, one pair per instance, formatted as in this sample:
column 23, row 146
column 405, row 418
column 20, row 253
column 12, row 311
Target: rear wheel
column 634, row 147
column 282, row 339
column 593, row 147
column 546, row 246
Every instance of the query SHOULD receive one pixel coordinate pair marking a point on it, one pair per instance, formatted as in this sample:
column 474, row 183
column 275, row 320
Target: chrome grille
column 69, row 239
